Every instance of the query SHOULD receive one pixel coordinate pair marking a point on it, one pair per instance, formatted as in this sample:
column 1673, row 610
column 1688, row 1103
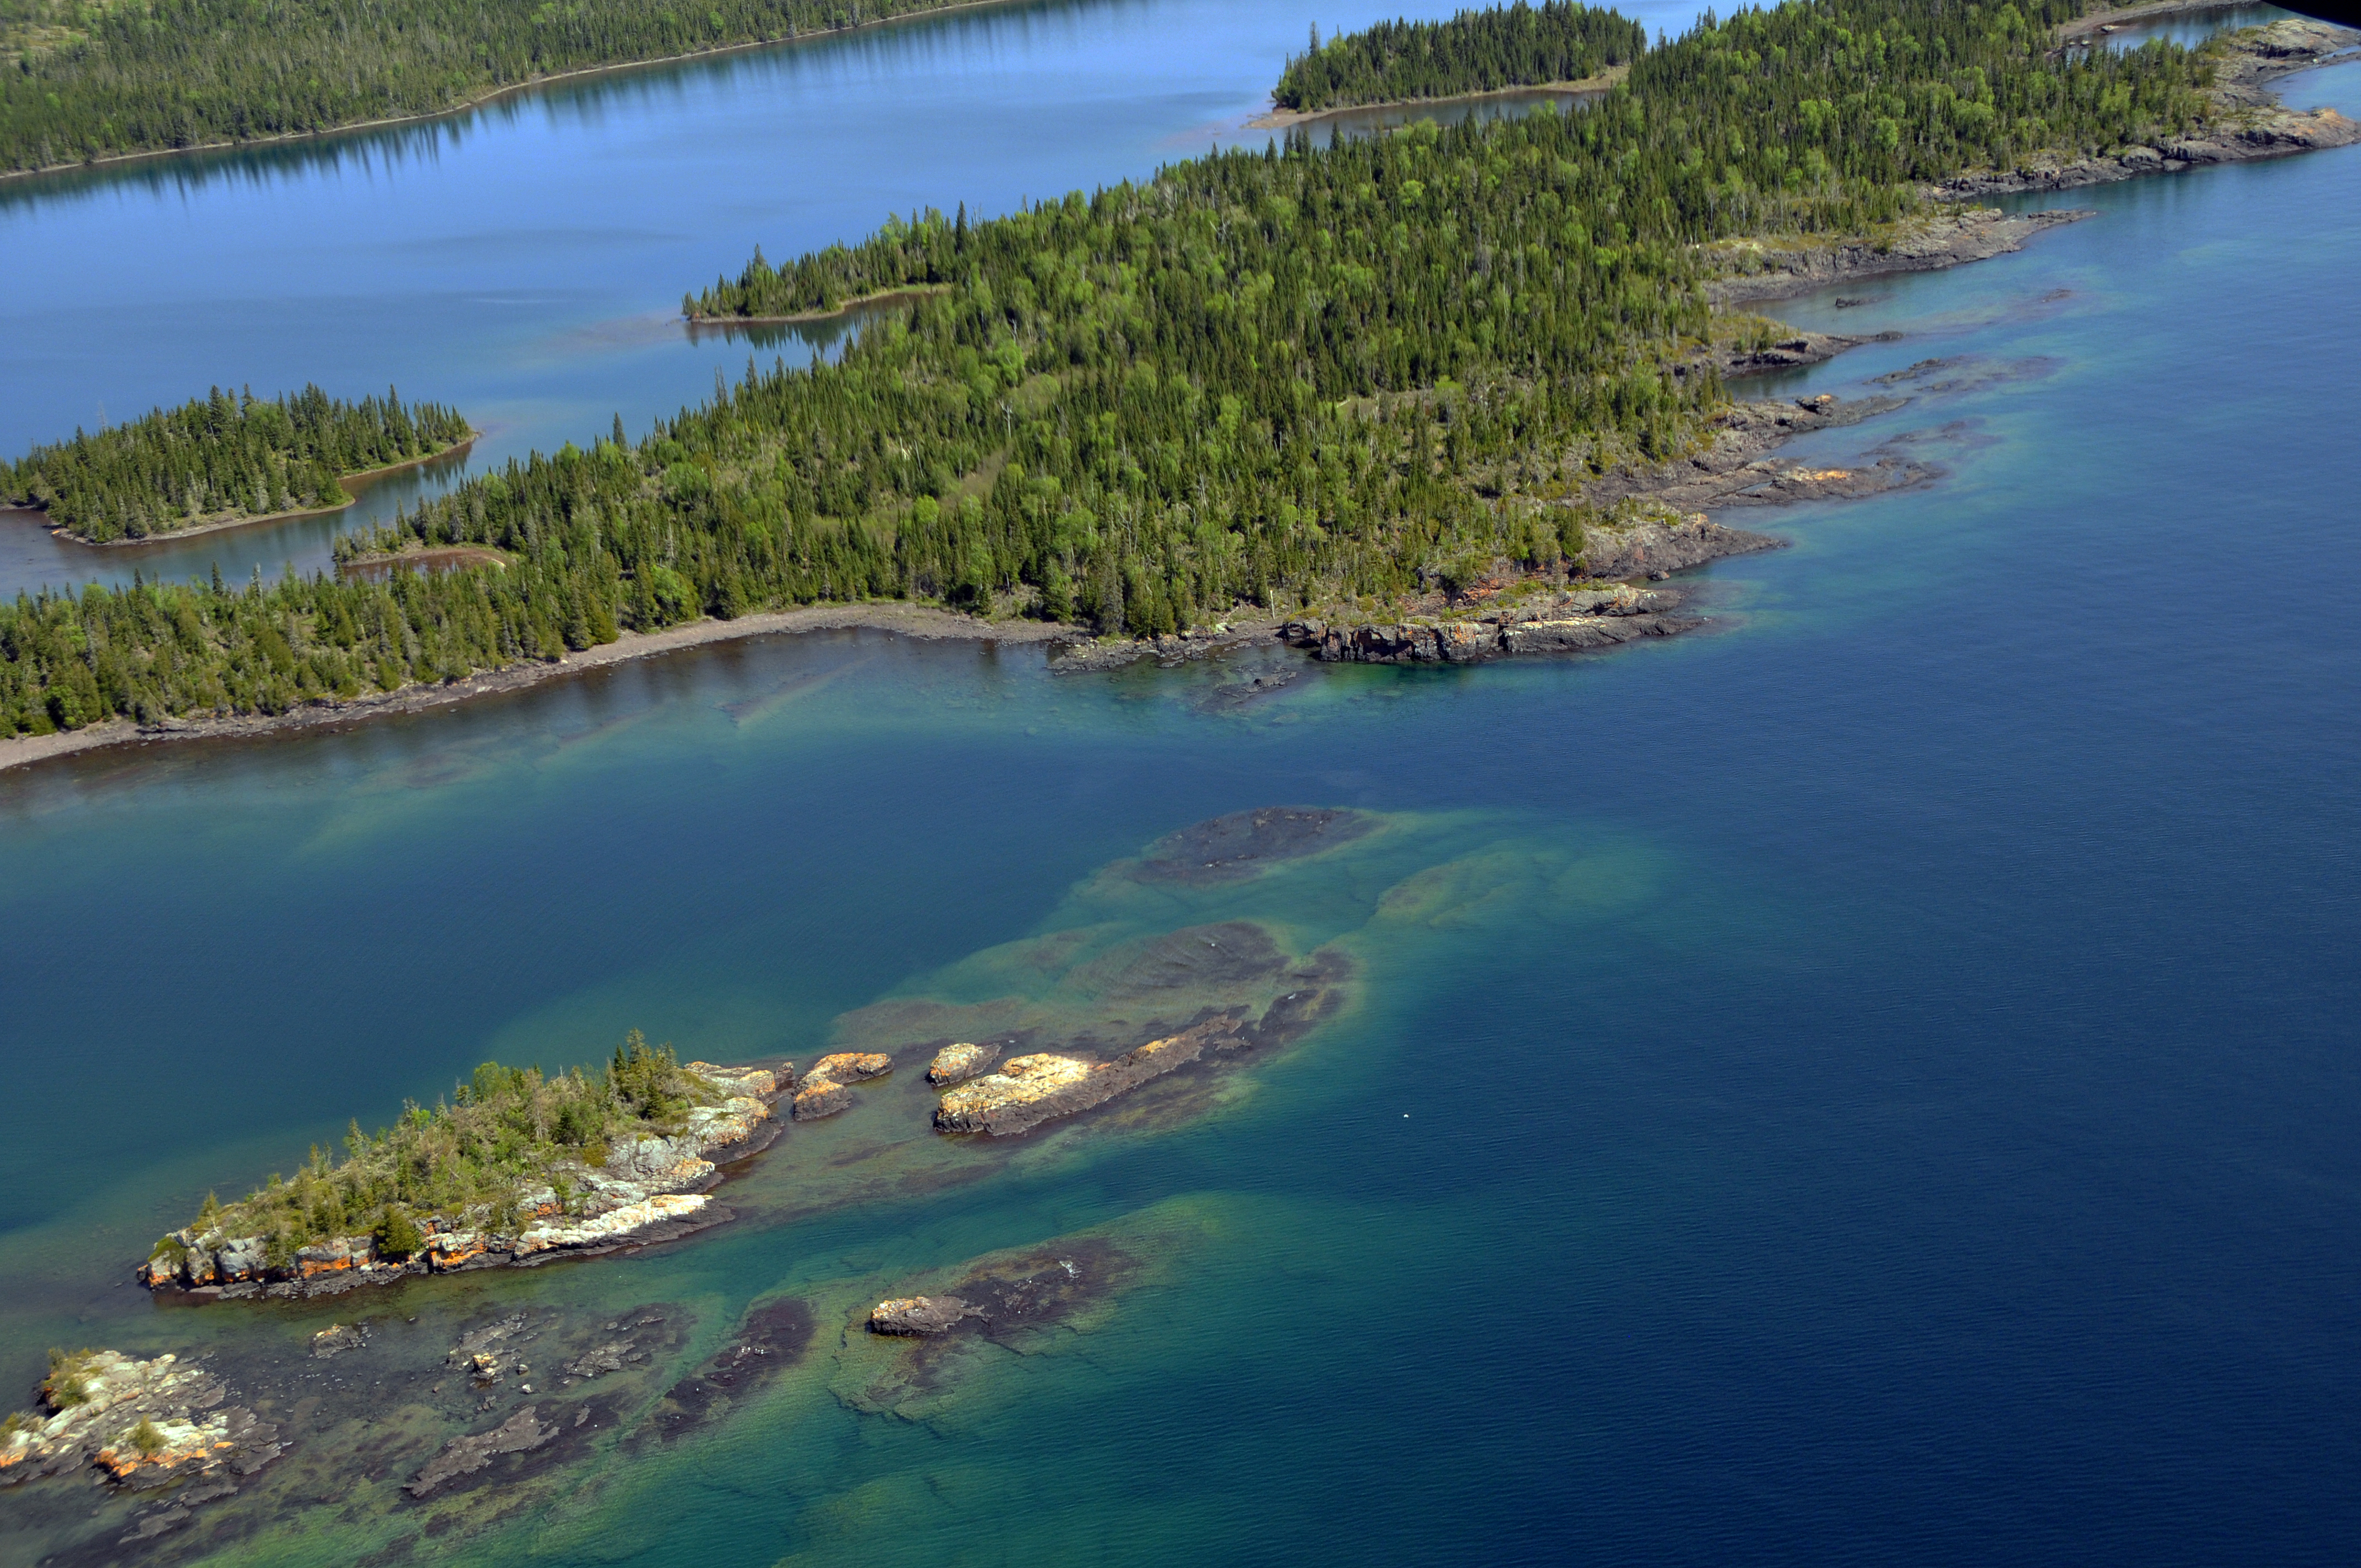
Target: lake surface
column 1876, row 1083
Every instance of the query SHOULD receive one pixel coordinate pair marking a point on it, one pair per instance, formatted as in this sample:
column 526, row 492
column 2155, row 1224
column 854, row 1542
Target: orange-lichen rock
column 851, row 1066
column 822, row 1091
column 953, row 1063
column 1030, row 1090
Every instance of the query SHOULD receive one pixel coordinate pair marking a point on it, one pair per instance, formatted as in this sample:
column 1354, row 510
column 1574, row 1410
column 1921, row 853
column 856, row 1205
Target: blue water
column 1875, row 1084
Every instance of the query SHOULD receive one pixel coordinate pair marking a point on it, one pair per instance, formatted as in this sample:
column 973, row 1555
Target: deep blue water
column 1875, row 1084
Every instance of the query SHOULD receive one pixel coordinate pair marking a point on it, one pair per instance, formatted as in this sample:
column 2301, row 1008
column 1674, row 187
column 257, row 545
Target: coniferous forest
column 1476, row 52
column 223, row 458
column 1304, row 375
column 81, row 81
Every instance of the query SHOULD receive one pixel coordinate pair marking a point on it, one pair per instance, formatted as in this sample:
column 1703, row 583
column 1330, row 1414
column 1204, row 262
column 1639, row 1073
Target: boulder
column 338, row 1338
column 851, row 1066
column 821, row 1097
column 919, row 1315
column 953, row 1063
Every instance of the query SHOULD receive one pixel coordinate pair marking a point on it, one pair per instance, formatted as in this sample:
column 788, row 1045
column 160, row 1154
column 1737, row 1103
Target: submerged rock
column 519, row 1433
column 1227, row 849
column 773, row 1335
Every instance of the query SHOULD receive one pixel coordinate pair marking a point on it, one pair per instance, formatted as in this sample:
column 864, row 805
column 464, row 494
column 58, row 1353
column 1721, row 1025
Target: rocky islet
column 647, row 1189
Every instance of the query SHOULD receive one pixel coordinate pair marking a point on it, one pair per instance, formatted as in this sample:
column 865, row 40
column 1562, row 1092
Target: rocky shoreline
column 2251, row 123
column 1766, row 270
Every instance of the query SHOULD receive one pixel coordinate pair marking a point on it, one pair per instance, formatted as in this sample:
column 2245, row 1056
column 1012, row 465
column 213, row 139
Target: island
column 1483, row 376
column 225, row 459
column 514, row 1167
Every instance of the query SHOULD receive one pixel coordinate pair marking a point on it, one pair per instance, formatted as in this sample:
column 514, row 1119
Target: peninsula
column 1405, row 379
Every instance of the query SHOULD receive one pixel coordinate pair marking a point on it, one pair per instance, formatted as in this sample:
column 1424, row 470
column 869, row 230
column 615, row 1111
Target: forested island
column 1476, row 52
column 226, row 458
column 514, row 1163
column 81, row 81
column 1296, row 377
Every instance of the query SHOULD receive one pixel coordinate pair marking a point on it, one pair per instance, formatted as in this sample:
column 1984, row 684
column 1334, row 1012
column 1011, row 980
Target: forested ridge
column 1284, row 377
column 1476, row 52
column 90, row 81
column 223, row 458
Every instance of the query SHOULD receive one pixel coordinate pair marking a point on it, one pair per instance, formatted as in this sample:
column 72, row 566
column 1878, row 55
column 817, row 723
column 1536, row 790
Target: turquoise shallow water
column 1872, row 1083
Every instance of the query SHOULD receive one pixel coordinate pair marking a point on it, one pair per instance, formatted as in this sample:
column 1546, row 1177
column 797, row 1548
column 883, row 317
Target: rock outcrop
column 920, row 1315
column 1560, row 627
column 953, row 1063
column 1762, row 270
column 1030, row 1090
column 143, row 1422
column 822, row 1091
column 647, row 1189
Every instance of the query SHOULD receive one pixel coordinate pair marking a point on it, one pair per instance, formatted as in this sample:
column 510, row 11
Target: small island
column 224, row 460
column 517, row 1166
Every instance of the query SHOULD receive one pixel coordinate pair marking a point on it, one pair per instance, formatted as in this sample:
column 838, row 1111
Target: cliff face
column 648, row 1189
